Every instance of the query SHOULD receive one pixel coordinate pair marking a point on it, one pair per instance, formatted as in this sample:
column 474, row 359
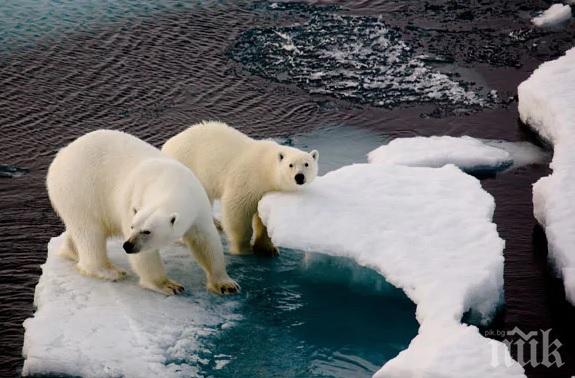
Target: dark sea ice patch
column 350, row 57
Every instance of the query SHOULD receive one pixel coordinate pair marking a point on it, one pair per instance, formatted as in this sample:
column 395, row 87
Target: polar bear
column 239, row 170
column 109, row 183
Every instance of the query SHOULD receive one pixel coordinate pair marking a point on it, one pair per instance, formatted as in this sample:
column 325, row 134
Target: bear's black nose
column 300, row 179
column 129, row 247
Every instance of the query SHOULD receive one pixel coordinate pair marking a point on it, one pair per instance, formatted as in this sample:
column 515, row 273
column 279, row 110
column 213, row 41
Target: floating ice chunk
column 470, row 154
column 466, row 152
column 546, row 104
column 555, row 15
column 89, row 328
column 429, row 232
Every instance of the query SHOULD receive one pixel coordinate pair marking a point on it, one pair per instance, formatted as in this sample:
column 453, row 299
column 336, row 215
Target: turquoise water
column 310, row 315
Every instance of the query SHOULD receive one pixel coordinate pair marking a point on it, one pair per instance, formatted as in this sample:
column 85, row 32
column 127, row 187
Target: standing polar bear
column 239, row 170
column 109, row 183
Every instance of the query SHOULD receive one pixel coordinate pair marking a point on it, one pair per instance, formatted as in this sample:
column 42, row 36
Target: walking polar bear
column 108, row 183
column 239, row 170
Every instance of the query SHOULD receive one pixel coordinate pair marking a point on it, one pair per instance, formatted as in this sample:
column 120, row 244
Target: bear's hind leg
column 149, row 267
column 92, row 257
column 205, row 244
column 237, row 224
column 68, row 248
column 263, row 245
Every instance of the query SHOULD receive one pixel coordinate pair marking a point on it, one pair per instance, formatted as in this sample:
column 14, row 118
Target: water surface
column 310, row 315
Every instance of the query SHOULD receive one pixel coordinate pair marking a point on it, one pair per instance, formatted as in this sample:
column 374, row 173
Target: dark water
column 9, row 171
column 153, row 69
column 356, row 58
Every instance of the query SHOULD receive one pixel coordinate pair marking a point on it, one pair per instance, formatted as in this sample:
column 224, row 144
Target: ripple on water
column 9, row 171
column 25, row 22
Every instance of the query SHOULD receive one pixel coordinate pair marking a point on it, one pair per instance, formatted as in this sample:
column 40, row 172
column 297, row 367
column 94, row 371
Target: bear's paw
column 167, row 287
column 224, row 286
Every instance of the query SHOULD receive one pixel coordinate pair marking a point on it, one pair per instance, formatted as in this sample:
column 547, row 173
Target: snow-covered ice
column 469, row 154
column 546, row 103
column 428, row 231
column 555, row 15
column 466, row 152
column 111, row 329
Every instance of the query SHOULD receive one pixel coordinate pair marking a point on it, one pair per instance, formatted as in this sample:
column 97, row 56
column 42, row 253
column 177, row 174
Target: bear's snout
column 300, row 179
column 130, row 247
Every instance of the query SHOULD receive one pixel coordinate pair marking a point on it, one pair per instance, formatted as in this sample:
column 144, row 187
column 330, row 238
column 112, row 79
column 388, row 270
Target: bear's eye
column 146, row 232
column 306, row 164
column 291, row 165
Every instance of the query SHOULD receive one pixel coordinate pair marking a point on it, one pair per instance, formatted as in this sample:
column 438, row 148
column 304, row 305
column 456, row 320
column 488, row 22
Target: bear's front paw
column 106, row 273
column 225, row 286
column 167, row 287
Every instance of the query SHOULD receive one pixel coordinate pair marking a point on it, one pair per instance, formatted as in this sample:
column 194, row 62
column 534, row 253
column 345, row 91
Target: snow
column 91, row 328
column 555, row 15
column 469, row 154
column 466, row 152
column 546, row 101
column 429, row 232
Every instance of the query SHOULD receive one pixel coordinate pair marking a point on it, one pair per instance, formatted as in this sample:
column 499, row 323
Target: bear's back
column 105, row 151
column 94, row 166
column 208, row 144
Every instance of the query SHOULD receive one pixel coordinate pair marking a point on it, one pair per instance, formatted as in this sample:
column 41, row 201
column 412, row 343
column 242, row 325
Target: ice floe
column 91, row 328
column 555, row 15
column 466, row 152
column 470, row 154
column 428, row 231
column 546, row 104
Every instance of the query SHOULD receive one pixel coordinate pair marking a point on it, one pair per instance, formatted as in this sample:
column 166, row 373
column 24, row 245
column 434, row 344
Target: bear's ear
column 281, row 156
column 173, row 218
column 314, row 154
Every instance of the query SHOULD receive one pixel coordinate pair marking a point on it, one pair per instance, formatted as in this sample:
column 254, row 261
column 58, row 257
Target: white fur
column 109, row 183
column 239, row 170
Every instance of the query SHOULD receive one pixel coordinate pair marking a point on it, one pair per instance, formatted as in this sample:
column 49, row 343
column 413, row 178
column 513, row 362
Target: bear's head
column 296, row 168
column 153, row 228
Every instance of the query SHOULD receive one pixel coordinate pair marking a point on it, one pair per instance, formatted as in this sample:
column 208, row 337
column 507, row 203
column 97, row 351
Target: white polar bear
column 109, row 183
column 239, row 170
